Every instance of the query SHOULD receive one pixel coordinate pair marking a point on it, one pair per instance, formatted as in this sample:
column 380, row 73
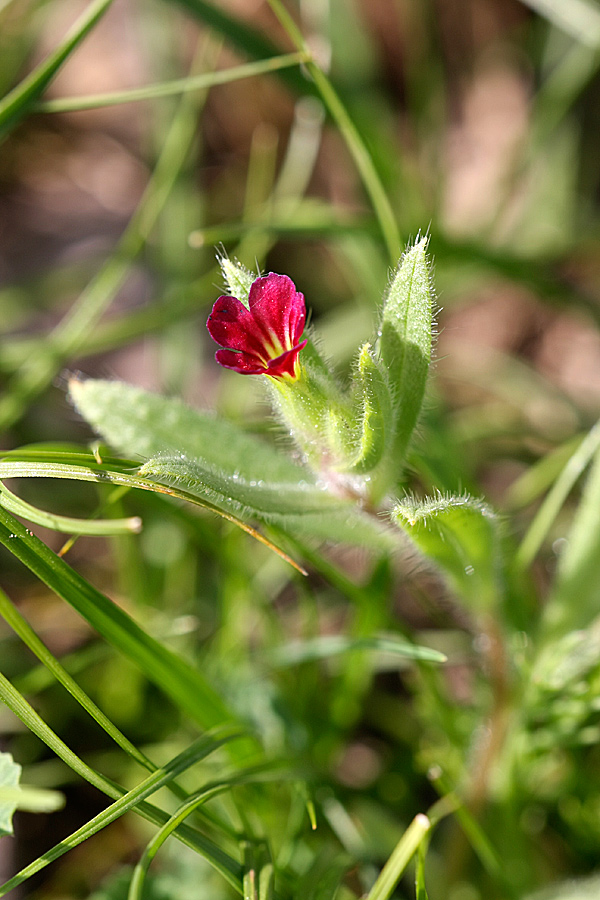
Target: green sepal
column 238, row 278
column 373, row 413
column 460, row 535
column 315, row 410
column 405, row 340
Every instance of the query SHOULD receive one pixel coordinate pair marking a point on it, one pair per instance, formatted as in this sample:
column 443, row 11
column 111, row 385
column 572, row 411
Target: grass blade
column 16, row 104
column 67, row 524
column 172, row 88
column 221, row 861
column 129, row 801
column 185, row 685
column 405, row 849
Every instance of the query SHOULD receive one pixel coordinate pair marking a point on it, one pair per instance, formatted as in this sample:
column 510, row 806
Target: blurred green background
column 482, row 120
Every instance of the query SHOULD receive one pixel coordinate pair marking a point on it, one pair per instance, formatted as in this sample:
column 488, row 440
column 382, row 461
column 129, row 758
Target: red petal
column 278, row 308
column 286, row 363
column 233, row 326
column 244, row 363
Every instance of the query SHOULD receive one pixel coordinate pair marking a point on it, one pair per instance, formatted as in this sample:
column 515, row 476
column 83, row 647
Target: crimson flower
column 265, row 338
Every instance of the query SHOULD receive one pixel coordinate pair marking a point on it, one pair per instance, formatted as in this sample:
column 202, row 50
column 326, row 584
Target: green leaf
column 67, row 524
column 185, row 685
column 131, row 800
column 405, row 849
column 219, row 464
column 461, row 536
column 573, row 602
column 334, row 645
column 138, row 423
column 30, row 799
column 16, row 104
column 405, row 340
column 374, row 412
column 262, row 499
column 10, row 774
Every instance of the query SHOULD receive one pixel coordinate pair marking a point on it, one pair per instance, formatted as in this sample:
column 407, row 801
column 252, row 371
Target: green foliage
column 405, row 340
column 378, row 727
column 10, row 774
column 461, row 536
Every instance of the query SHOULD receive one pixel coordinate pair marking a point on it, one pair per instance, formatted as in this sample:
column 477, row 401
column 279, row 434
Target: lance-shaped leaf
column 217, row 462
column 460, row 535
column 141, row 424
column 10, row 774
column 374, row 413
column 405, row 339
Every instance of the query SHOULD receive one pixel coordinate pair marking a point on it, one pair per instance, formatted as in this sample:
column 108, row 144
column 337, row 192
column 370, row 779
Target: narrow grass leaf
column 185, row 685
column 351, row 135
column 420, row 887
column 136, row 886
column 129, row 801
column 548, row 511
column 250, row 41
column 460, row 535
column 67, row 524
column 573, row 602
column 172, row 88
column 16, row 621
column 405, row 849
column 220, row 860
column 17, row 103
column 96, row 472
column 328, row 646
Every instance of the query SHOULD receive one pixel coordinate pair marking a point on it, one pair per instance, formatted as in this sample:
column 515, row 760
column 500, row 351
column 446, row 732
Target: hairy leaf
column 405, row 339
column 460, row 535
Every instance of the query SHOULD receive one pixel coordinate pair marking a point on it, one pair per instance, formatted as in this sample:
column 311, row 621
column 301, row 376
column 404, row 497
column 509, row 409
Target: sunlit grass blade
column 186, row 809
column 573, row 602
column 172, row 88
column 334, row 645
column 17, row 103
column 579, row 18
column 185, row 685
column 548, row 511
column 249, row 41
column 224, row 863
column 129, row 801
column 396, row 865
column 67, row 524
column 19, row 625
column 15, row 468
